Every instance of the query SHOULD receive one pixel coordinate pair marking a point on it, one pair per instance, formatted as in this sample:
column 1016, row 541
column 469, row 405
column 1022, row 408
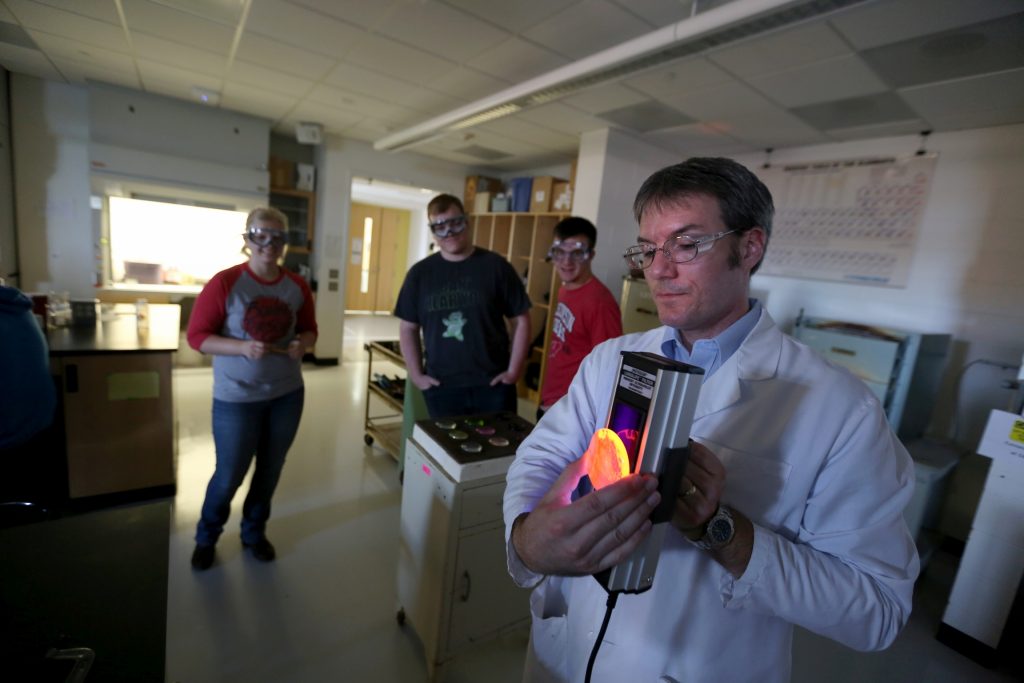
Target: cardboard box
column 479, row 183
column 541, row 193
column 306, row 177
column 561, row 196
column 501, row 202
column 481, row 203
column 282, row 173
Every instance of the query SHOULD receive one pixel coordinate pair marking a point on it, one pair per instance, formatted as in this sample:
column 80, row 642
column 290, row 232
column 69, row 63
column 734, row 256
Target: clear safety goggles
column 264, row 237
column 449, row 226
column 573, row 252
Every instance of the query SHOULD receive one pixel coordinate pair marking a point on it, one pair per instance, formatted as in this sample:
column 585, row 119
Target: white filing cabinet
column 453, row 584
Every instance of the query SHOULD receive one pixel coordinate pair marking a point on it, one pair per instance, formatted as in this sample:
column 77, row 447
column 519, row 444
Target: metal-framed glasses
column 678, row 249
column 448, row 226
column 264, row 237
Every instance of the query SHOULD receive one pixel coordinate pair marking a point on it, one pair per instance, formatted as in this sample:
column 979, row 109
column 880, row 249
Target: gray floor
column 325, row 610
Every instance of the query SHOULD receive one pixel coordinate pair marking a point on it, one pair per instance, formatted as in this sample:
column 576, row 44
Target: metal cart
column 385, row 427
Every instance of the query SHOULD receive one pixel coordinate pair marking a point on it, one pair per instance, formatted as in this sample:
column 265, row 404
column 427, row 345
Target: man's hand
column 699, row 492
column 296, row 349
column 590, row 534
column 507, row 377
column 423, row 381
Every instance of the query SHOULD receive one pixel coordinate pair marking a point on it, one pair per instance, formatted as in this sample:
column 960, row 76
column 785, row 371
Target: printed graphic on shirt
column 564, row 322
column 457, row 294
column 453, row 325
column 267, row 319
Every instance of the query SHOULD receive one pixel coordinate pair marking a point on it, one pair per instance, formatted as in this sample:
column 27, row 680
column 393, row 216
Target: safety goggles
column 577, row 252
column 448, row 226
column 264, row 237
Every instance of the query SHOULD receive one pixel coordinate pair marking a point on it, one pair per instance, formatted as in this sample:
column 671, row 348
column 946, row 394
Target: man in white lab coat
column 790, row 507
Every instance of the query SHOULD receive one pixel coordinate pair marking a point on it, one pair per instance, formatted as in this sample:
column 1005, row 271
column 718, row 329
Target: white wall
column 57, row 245
column 966, row 277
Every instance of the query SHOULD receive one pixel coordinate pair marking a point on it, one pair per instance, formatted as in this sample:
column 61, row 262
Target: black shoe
column 262, row 550
column 202, row 557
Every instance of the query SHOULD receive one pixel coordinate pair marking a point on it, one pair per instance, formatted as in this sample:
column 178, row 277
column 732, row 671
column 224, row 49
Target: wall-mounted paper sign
column 1003, row 437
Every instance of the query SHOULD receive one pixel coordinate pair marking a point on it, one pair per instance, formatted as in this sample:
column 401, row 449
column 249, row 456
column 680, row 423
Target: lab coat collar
column 756, row 359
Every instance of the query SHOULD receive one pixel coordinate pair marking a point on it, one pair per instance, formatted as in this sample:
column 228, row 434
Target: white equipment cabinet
column 453, row 584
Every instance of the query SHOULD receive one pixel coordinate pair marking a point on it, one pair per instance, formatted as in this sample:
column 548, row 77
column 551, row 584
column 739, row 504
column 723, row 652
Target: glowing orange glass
column 605, row 459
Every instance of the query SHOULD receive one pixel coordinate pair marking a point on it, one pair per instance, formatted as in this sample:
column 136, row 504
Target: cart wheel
column 400, row 617
column 368, row 439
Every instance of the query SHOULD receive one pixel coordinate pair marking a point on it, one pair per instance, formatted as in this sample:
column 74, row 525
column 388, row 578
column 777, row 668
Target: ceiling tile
column 256, row 100
column 227, row 12
column 990, row 100
column 465, row 85
column 698, row 139
column 312, row 31
column 180, row 27
column 277, row 55
column 856, row 111
column 717, row 102
column 659, row 13
column 80, row 71
column 247, row 73
column 990, row 46
column 68, row 24
column 669, row 80
column 565, row 119
column 517, row 60
column 353, row 102
column 5, row 15
column 604, row 98
column 873, row 24
column 153, row 73
column 646, row 117
column 824, row 81
column 880, row 130
column 771, row 128
column 780, row 50
column 104, row 10
column 515, row 16
column 525, row 131
column 27, row 61
column 587, row 28
column 358, row 12
column 442, row 30
column 156, row 49
column 69, row 50
column 331, row 117
column 359, row 80
column 397, row 59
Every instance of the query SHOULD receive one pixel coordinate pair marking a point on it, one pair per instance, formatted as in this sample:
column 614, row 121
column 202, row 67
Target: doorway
column 378, row 251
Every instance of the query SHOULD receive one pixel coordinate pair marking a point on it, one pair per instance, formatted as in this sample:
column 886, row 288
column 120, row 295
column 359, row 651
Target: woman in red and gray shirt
column 257, row 321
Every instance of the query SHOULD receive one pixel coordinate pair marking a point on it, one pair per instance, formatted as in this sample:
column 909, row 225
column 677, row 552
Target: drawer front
column 481, row 505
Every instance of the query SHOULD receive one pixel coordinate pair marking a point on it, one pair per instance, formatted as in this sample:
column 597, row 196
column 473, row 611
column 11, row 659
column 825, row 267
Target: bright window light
column 157, row 243
column 364, row 267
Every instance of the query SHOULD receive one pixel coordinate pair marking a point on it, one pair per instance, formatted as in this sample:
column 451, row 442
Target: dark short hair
column 442, row 203
column 743, row 200
column 576, row 225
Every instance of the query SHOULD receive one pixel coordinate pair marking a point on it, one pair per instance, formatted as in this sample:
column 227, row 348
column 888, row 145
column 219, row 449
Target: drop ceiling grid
column 143, row 16
column 585, row 28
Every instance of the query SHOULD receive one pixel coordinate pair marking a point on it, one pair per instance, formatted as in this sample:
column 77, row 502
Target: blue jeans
column 445, row 401
column 261, row 429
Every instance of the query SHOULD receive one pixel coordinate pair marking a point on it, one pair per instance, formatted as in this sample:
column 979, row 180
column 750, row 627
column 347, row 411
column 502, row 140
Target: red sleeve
column 305, row 319
column 210, row 307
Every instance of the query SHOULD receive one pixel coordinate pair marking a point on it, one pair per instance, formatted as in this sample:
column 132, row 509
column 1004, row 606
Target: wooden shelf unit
column 524, row 239
column 300, row 208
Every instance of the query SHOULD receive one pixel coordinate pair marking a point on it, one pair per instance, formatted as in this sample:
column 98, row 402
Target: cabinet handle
column 466, row 585
column 71, row 378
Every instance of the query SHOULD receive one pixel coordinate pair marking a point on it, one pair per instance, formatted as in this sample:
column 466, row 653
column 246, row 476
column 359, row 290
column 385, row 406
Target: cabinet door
column 118, row 416
column 484, row 599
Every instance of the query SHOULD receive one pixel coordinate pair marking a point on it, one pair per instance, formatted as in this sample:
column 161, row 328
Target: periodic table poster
column 854, row 220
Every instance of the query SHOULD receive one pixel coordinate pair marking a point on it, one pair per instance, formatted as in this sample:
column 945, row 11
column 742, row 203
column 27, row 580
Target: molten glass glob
column 605, row 459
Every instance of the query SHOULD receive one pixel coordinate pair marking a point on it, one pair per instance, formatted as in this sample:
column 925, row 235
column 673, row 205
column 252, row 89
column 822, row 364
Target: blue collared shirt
column 710, row 354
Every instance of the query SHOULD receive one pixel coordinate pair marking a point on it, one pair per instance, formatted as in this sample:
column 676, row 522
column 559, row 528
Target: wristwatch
column 718, row 532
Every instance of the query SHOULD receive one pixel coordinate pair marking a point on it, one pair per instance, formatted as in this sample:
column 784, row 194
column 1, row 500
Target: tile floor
column 325, row 610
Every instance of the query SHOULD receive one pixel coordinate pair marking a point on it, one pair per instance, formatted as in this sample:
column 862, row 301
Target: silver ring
column 690, row 491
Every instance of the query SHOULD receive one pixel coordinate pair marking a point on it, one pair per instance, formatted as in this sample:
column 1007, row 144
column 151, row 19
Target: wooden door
column 377, row 251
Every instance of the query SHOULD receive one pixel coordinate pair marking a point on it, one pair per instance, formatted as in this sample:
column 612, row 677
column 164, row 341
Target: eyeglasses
column 579, row 254
column 678, row 249
column 448, row 226
column 264, row 237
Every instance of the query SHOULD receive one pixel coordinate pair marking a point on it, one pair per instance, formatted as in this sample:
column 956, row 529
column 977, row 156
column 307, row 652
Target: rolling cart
column 384, row 427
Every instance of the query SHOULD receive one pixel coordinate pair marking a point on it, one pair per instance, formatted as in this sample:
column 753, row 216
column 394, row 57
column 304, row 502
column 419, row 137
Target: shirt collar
column 711, row 354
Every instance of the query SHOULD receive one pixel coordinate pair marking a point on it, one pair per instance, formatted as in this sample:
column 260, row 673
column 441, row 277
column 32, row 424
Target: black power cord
column 610, row 605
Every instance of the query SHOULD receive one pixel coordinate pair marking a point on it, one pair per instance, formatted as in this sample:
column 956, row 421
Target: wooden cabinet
column 300, row 208
column 524, row 239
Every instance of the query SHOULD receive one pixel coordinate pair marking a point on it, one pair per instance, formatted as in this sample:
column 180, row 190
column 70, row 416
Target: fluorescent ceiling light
column 719, row 26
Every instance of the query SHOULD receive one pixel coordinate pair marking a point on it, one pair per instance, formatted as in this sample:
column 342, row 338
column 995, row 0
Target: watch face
column 720, row 531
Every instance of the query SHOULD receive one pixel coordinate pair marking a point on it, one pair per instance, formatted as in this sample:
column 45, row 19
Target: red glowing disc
column 605, row 460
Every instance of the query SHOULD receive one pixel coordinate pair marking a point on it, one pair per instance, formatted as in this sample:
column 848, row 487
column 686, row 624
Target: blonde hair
column 266, row 213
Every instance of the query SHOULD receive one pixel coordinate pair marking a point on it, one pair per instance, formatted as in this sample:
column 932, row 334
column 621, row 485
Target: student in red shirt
column 586, row 313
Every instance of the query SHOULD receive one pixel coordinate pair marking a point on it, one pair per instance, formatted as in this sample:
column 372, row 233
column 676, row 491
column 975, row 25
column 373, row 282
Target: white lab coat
column 810, row 459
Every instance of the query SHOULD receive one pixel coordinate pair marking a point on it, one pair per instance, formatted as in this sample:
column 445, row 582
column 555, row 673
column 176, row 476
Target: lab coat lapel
column 756, row 359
